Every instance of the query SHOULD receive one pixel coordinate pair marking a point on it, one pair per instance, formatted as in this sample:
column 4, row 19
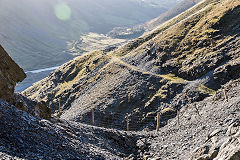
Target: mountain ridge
column 138, row 30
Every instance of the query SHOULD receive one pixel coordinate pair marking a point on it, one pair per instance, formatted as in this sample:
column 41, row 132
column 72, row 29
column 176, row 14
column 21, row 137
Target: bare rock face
column 227, row 72
column 10, row 74
column 221, row 144
column 35, row 108
column 42, row 110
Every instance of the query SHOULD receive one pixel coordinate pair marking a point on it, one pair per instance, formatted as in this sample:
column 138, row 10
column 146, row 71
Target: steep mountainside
column 185, row 76
column 36, row 33
column 212, row 126
column 177, row 64
column 205, row 130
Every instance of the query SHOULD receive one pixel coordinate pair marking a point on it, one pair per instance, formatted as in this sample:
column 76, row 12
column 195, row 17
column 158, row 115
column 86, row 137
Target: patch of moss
column 168, row 111
column 173, row 78
column 214, row 20
column 206, row 90
column 210, row 55
column 211, row 30
column 162, row 94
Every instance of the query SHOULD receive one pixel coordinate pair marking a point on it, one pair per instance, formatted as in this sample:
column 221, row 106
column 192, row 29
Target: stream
column 33, row 77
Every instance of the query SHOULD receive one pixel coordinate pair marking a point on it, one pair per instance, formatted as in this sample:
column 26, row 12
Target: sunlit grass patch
column 173, row 78
column 204, row 89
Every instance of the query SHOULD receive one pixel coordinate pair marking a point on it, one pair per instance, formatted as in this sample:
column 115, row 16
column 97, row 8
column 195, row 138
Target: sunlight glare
column 62, row 11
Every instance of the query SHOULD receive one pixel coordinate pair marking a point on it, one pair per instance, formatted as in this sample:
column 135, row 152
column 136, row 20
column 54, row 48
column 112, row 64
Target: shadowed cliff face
column 10, row 75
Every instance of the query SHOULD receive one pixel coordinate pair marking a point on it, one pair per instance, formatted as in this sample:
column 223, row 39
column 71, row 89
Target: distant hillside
column 31, row 32
column 138, row 30
column 179, row 8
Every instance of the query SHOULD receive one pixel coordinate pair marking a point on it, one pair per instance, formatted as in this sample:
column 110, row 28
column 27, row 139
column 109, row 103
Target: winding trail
column 198, row 83
column 170, row 77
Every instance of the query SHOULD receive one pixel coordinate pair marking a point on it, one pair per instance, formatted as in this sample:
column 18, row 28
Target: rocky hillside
column 178, row 64
column 188, row 70
column 208, row 131
column 25, row 135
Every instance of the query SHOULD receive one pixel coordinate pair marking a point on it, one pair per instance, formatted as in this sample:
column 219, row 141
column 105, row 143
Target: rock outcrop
column 42, row 110
column 222, row 143
column 227, row 72
column 10, row 75
column 204, row 130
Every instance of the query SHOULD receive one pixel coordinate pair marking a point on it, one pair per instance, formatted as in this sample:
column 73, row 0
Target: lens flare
column 62, row 11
